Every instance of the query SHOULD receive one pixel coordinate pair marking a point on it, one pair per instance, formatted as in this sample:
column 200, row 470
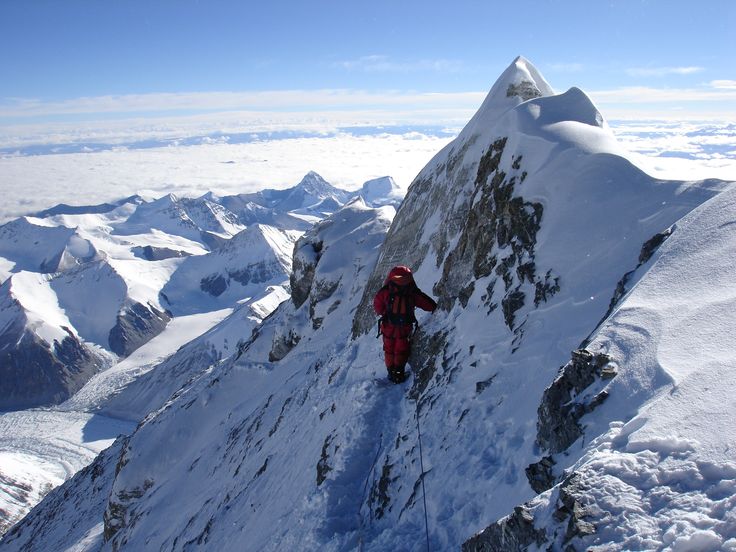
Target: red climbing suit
column 395, row 303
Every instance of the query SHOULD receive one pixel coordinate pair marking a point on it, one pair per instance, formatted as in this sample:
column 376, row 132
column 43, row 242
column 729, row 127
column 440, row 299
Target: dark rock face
column 33, row 374
column 564, row 403
column 540, row 475
column 513, row 533
column 479, row 222
column 282, row 345
column 256, row 273
column 525, row 90
column 497, row 220
column 117, row 511
column 135, row 326
column 323, row 466
column 570, row 530
column 306, row 256
column 572, row 510
column 577, row 391
column 214, row 284
column 151, row 253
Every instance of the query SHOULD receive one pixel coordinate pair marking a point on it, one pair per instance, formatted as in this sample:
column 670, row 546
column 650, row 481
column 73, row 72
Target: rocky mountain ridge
column 555, row 362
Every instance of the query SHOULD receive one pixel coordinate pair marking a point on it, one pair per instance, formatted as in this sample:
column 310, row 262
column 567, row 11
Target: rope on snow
column 421, row 465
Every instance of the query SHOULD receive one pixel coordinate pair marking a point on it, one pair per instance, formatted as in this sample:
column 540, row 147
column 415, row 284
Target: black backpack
column 400, row 308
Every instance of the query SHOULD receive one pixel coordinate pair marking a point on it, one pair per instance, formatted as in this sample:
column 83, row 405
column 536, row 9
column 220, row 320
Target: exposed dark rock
column 563, row 402
column 497, row 219
column 540, row 475
column 426, row 350
column 211, row 240
column 570, row 530
column 151, row 253
column 323, row 466
column 282, row 345
column 76, row 505
column 510, row 304
column 481, row 386
column 305, row 259
column 34, row 374
column 571, row 509
column 136, row 325
column 577, row 391
column 651, row 245
column 214, row 284
column 526, row 90
column 257, row 273
column 513, row 533
column 117, row 513
column 379, row 492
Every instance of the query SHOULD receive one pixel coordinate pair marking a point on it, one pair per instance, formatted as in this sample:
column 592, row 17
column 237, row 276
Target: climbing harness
column 421, row 465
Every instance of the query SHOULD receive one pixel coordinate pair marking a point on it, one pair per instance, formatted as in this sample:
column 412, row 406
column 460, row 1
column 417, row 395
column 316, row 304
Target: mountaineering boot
column 397, row 375
column 394, row 375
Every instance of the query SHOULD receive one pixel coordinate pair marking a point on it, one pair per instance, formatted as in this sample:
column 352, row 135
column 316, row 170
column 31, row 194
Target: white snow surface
column 40, row 449
column 293, row 440
column 665, row 479
column 107, row 271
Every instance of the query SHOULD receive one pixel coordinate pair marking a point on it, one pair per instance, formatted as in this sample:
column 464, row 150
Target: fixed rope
column 421, row 465
column 365, row 490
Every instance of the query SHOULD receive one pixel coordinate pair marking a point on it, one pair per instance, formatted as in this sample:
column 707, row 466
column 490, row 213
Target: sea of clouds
column 84, row 167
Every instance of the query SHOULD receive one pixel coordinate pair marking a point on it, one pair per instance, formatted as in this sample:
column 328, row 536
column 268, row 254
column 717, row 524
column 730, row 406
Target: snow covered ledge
column 661, row 474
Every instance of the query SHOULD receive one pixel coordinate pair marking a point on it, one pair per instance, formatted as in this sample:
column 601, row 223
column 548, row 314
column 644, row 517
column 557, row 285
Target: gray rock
column 307, row 253
column 33, row 374
column 151, row 253
column 564, row 401
column 136, row 325
column 513, row 533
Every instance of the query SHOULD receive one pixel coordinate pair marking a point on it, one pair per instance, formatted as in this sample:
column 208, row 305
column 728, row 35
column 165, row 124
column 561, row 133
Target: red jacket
column 419, row 299
column 401, row 277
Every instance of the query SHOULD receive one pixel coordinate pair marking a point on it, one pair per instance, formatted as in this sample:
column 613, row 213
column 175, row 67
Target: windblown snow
column 574, row 390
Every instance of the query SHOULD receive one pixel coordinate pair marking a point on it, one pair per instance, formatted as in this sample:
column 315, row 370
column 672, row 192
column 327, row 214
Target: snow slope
column 119, row 272
column 86, row 297
column 659, row 473
column 534, row 233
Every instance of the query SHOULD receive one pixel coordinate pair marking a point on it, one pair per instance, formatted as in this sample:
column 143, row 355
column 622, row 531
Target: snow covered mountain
column 84, row 286
column 573, row 391
column 382, row 191
column 75, row 273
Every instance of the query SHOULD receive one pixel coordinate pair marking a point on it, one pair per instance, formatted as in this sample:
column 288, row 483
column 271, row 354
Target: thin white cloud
column 727, row 84
column 384, row 64
column 663, row 71
column 288, row 100
column 38, row 182
column 645, row 94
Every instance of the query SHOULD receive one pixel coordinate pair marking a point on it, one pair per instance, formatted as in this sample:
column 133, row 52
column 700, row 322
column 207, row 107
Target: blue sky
column 77, row 60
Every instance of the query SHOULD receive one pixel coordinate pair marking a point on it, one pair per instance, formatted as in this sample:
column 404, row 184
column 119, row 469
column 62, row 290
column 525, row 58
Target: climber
column 395, row 303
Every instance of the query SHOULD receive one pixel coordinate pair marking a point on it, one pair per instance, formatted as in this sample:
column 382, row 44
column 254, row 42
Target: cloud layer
column 347, row 159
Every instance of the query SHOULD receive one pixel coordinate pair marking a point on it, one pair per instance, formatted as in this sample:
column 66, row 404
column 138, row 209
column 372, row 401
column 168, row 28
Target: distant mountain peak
column 314, row 183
